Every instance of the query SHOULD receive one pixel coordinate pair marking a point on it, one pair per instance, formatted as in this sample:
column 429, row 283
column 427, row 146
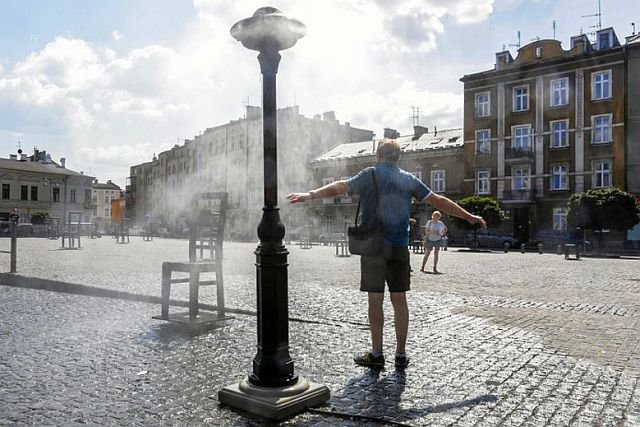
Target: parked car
column 5, row 228
column 490, row 239
column 25, row 230
column 550, row 237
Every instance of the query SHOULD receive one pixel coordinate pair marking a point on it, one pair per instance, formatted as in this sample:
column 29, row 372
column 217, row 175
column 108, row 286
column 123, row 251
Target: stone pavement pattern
column 498, row 339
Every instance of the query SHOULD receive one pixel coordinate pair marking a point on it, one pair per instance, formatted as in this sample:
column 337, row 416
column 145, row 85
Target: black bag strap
column 375, row 192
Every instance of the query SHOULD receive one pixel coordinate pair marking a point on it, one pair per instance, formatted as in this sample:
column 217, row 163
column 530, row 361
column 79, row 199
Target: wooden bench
column 206, row 236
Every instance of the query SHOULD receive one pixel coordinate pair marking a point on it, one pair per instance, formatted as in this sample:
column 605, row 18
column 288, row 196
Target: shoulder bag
column 368, row 240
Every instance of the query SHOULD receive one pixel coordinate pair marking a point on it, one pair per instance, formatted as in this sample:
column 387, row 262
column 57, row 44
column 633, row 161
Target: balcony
column 517, row 195
column 518, row 153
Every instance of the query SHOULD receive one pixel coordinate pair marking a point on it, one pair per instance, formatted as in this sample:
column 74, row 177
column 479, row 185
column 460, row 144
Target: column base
column 274, row 403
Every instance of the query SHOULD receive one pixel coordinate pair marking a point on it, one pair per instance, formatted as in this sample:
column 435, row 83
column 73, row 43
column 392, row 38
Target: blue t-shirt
column 396, row 188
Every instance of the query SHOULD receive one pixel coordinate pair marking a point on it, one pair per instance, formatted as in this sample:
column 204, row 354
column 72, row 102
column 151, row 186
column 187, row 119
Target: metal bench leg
column 194, row 279
column 166, row 289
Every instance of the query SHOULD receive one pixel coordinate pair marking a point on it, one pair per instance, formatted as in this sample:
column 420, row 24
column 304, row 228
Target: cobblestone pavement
column 497, row 339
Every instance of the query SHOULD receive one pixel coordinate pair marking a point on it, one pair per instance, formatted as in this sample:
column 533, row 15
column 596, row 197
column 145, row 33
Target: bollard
column 506, row 247
column 14, row 246
column 14, row 240
column 522, row 248
column 559, row 249
column 540, row 248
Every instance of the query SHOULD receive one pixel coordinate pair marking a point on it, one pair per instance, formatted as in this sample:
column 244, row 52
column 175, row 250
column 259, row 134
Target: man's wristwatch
column 312, row 194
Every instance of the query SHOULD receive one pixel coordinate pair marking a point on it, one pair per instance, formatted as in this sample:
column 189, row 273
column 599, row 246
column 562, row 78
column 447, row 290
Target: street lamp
column 272, row 390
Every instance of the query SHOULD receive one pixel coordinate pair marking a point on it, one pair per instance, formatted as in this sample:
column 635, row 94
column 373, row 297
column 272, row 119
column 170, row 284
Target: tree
column 608, row 208
column 486, row 207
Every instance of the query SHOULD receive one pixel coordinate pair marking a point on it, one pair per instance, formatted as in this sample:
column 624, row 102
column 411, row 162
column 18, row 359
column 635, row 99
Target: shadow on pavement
column 373, row 398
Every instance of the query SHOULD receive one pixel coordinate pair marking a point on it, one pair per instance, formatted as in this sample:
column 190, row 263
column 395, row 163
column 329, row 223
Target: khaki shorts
column 375, row 271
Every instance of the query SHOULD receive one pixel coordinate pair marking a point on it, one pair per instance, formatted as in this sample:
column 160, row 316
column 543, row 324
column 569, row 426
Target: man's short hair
column 388, row 150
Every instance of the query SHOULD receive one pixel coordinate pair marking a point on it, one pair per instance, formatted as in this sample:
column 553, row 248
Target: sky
column 106, row 84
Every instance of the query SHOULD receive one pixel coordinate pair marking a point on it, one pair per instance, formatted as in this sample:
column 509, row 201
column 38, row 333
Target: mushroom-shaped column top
column 268, row 30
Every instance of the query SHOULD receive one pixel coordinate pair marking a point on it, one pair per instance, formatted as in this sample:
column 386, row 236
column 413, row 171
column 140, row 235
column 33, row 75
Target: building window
column 521, row 98
column 24, row 192
column 601, row 85
column 559, row 92
column 483, row 182
column 438, row 181
column 418, row 173
column 72, row 196
column 521, row 138
column 483, row 141
column 520, row 176
column 560, row 134
column 482, row 104
column 34, row 193
column 604, row 40
column 559, row 219
column 559, row 179
column 107, row 199
column 87, row 195
column 601, row 129
column 106, row 212
column 6, row 191
column 601, row 173
column 56, row 195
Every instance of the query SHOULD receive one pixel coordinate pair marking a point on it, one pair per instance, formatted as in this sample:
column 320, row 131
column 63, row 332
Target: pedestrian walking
column 396, row 188
column 434, row 232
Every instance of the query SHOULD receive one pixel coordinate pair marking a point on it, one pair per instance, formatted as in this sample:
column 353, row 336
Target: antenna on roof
column 633, row 25
column 554, row 29
column 415, row 116
column 598, row 15
column 519, row 42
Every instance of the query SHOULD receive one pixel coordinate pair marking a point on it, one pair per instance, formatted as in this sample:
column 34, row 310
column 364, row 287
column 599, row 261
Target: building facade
column 434, row 157
column 229, row 158
column 37, row 185
column 102, row 194
column 545, row 125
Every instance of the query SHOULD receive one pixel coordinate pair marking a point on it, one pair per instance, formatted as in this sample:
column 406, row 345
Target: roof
column 430, row 141
column 106, row 186
column 38, row 167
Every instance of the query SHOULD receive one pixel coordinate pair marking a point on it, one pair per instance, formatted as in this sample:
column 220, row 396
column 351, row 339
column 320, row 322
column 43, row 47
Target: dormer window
column 605, row 39
column 538, row 51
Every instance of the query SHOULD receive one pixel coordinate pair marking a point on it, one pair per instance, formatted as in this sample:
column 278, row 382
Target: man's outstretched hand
column 477, row 219
column 298, row 197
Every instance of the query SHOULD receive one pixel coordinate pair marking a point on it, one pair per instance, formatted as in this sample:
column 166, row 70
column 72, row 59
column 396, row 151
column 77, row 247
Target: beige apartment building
column 36, row 184
column 550, row 123
column 102, row 195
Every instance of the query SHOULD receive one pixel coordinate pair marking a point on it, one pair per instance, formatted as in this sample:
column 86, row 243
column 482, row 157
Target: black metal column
column 272, row 365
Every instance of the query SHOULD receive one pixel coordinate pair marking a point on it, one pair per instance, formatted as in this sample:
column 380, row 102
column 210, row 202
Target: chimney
column 502, row 59
column 13, row 157
column 329, row 116
column 418, row 131
column 62, row 161
column 391, row 133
